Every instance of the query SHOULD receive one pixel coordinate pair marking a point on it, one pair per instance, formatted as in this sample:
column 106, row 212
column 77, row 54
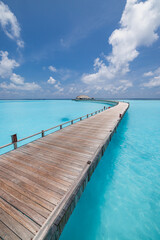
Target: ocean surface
column 26, row 117
column 122, row 200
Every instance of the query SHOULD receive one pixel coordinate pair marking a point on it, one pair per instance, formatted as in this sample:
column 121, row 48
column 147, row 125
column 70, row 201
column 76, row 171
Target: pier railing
column 42, row 133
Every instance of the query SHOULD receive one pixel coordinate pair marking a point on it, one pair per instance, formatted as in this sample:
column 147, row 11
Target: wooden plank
column 38, row 208
column 32, row 176
column 26, row 184
column 75, row 138
column 14, row 226
column 50, row 162
column 64, row 180
column 55, row 177
column 60, row 150
column 42, row 202
column 70, row 146
column 53, row 185
column 6, row 233
column 22, row 207
column 19, row 217
column 56, row 157
column 87, row 135
column 55, row 170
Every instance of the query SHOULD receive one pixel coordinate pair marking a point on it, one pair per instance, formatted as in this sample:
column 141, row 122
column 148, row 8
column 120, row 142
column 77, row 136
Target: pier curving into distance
column 42, row 181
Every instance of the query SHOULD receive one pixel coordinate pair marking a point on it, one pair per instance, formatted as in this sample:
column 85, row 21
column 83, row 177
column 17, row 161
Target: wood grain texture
column 41, row 182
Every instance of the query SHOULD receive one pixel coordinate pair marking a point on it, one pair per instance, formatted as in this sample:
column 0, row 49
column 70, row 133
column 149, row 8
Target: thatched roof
column 83, row 97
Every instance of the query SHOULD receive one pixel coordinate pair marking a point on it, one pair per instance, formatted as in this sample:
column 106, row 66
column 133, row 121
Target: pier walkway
column 42, row 181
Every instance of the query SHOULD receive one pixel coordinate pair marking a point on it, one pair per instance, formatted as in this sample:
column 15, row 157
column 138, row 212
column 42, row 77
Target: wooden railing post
column 42, row 133
column 14, row 140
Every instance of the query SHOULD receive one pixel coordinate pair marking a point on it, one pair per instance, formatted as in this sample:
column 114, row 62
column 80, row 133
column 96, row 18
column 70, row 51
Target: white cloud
column 84, row 91
column 58, row 87
column 148, row 74
column 103, row 79
column 25, row 87
column 17, row 79
column 157, row 71
column 138, row 25
column 118, row 87
column 66, row 74
column 154, row 81
column 102, row 74
column 52, row 69
column 10, row 24
column 72, row 89
column 139, row 22
column 51, row 80
column 124, row 85
column 20, row 43
column 6, row 65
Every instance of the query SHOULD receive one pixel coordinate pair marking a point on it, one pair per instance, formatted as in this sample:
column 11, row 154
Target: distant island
column 84, row 97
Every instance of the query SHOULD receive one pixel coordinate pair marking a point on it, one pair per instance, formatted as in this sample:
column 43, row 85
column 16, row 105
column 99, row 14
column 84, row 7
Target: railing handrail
column 60, row 125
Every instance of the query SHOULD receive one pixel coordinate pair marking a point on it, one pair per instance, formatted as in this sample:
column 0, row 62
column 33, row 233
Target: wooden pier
column 42, row 181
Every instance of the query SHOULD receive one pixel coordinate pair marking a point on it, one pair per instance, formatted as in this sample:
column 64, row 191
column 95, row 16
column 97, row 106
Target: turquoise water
column 31, row 116
column 122, row 200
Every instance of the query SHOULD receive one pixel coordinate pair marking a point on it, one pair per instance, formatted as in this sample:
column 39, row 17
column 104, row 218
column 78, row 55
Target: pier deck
column 41, row 182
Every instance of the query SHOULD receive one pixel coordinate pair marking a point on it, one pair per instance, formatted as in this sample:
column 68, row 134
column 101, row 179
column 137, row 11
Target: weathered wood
column 42, row 133
column 41, row 182
column 19, row 217
column 34, row 177
column 12, row 192
column 6, row 233
column 31, row 187
column 15, row 226
column 23, row 207
column 14, row 140
column 39, row 200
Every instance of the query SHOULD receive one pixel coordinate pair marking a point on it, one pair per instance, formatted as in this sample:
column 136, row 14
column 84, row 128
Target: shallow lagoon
column 26, row 117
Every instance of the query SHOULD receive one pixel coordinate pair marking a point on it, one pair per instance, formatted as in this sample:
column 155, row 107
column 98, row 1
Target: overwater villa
column 83, row 97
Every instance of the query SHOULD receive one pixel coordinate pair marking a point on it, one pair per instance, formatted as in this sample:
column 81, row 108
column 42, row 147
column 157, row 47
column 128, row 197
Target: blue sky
column 60, row 49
